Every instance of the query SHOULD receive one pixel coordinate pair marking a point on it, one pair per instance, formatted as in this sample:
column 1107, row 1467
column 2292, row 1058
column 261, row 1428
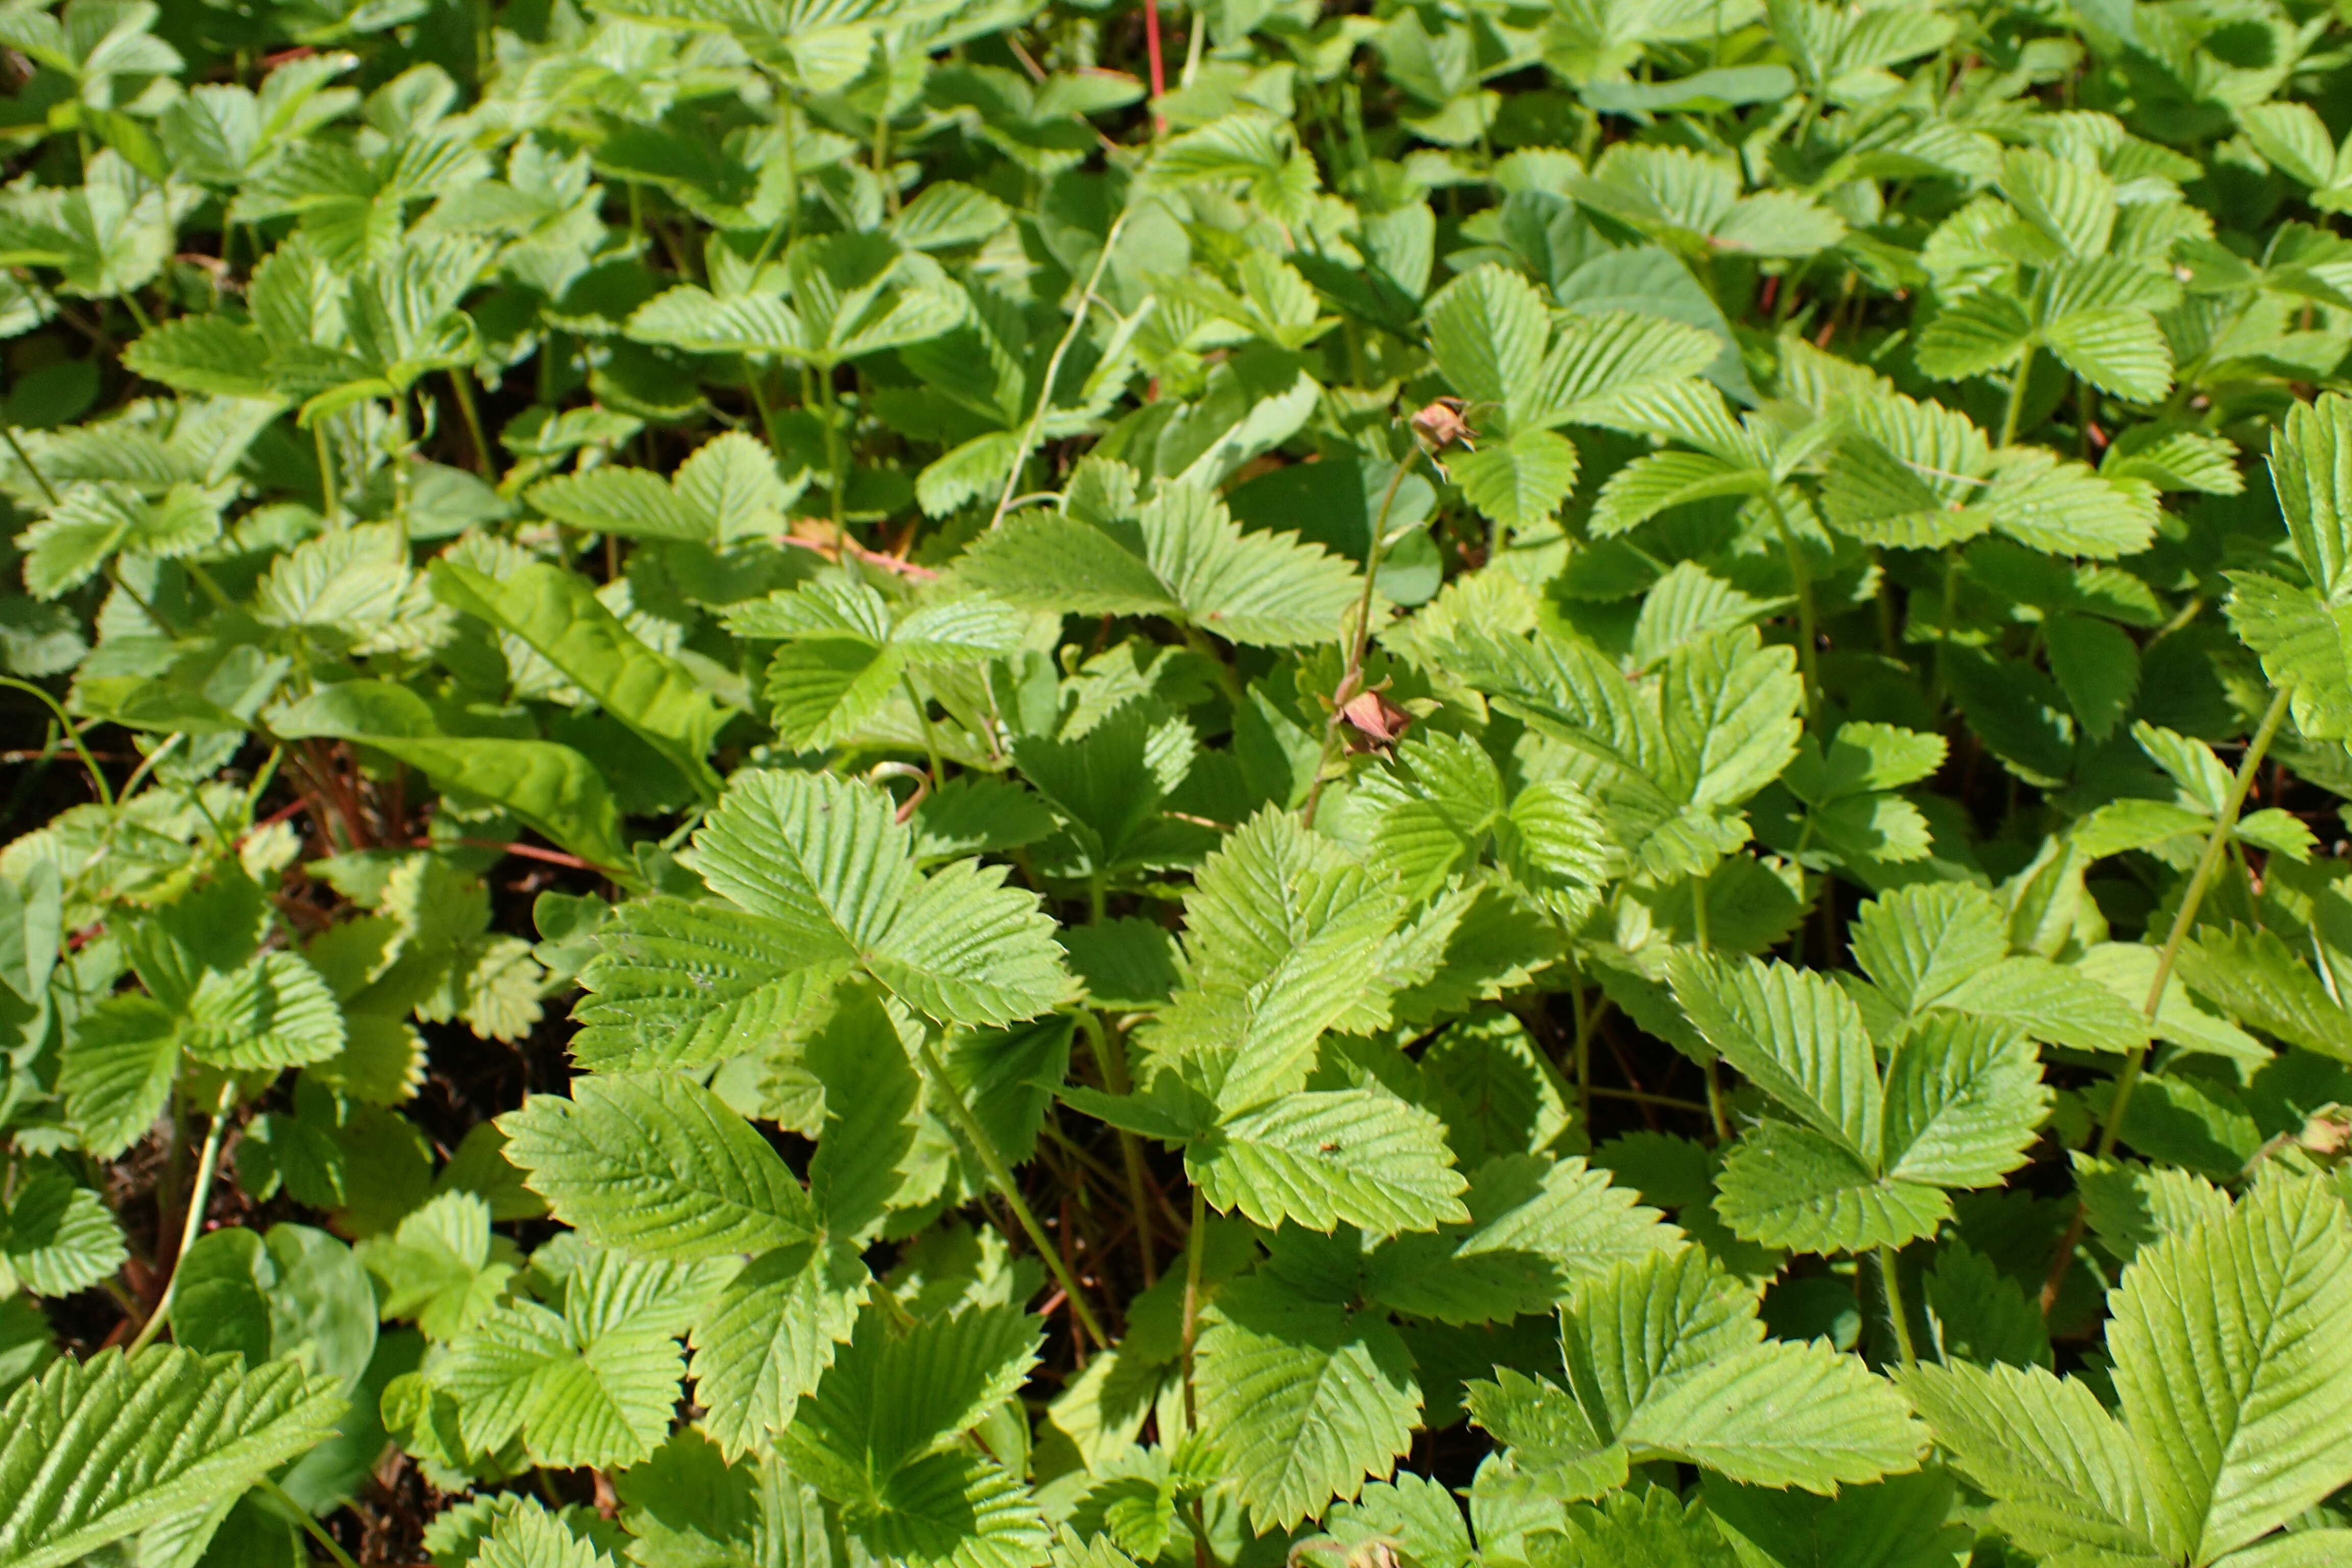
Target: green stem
column 759, row 399
column 1054, row 370
column 1000, row 1176
column 73, row 736
column 2016, row 408
column 1194, row 1243
column 27, row 458
column 1110, row 1061
column 327, row 491
column 1584, row 1017
column 318, row 1531
column 193, row 1226
column 1351, row 679
column 461, row 381
column 930, row 735
column 1895, row 1312
column 2184, row 920
column 1802, row 580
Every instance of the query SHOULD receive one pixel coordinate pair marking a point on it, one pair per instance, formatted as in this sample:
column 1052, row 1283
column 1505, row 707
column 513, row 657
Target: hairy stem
column 318, row 1531
column 193, row 1226
column 1896, row 1313
column 1000, row 1176
column 2016, row 407
column 2184, row 920
column 31, row 467
column 1807, row 622
column 73, row 736
column 1351, row 679
column 1053, row 371
column 1194, row 1244
column 1111, row 1059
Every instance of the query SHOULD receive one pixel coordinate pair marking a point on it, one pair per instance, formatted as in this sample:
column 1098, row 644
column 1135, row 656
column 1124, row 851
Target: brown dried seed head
column 1442, row 425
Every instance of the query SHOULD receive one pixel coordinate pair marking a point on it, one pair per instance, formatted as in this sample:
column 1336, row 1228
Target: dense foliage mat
column 1449, row 784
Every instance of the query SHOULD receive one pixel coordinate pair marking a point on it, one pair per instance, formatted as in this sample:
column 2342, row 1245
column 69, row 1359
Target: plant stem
column 2184, row 920
column 1000, row 1176
column 1351, row 679
column 461, row 382
column 1111, row 1059
column 1054, row 370
column 1802, row 580
column 73, row 736
column 27, row 458
column 930, row 736
column 1895, row 1311
column 1583, row 1052
column 1194, row 1244
column 193, row 1226
column 327, row 496
column 2016, row 408
column 318, row 1531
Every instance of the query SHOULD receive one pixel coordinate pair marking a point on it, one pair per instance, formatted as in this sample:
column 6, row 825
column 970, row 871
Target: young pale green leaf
column 1196, row 566
column 770, row 1338
column 658, row 1165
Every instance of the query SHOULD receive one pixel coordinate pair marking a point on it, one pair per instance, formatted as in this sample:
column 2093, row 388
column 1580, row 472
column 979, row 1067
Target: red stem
column 1159, row 72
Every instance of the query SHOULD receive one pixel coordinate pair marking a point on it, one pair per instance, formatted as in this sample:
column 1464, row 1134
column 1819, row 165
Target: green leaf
column 1964, row 1099
column 2265, row 984
column 1520, row 480
column 557, row 613
column 1903, row 1521
column 526, row 1537
column 551, row 788
column 1331, row 1157
column 1304, row 1398
column 1794, row 1033
column 1789, row 1186
column 1284, row 932
column 829, row 865
column 57, row 1237
column 2309, row 451
column 2064, row 1476
column 1488, row 330
column 2114, row 349
column 2097, row 666
column 1667, row 1358
column 2303, row 642
column 2228, row 1340
column 96, row 1451
column 770, row 1337
column 117, row 1072
column 658, row 1165
column 1195, row 565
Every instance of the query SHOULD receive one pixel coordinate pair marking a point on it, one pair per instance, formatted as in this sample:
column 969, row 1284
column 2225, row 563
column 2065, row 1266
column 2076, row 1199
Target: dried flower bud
column 1441, row 425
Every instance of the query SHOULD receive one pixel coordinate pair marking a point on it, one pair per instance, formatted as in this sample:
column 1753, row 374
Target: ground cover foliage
column 936, row 781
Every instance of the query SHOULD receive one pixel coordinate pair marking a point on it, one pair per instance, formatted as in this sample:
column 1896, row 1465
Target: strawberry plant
column 976, row 783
